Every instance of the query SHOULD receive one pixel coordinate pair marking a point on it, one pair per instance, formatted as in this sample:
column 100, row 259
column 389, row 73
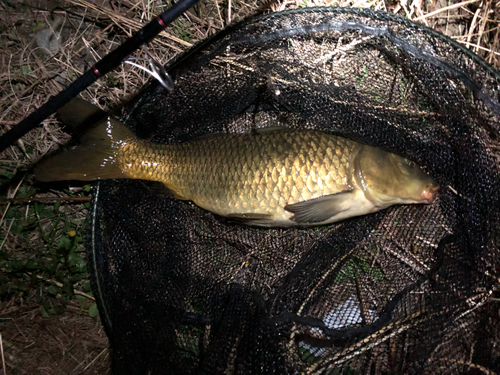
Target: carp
column 273, row 177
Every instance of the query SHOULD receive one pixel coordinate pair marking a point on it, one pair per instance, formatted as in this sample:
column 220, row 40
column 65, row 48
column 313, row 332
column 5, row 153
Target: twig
column 134, row 24
column 417, row 5
column 95, row 359
column 473, row 25
column 431, row 14
column 6, row 234
column 3, row 357
column 8, row 204
column 44, row 200
column 484, row 49
column 482, row 22
column 60, row 285
column 218, row 11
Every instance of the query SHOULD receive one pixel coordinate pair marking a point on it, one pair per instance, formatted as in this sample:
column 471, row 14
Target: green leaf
column 25, row 70
column 16, row 264
column 52, row 265
column 53, row 289
column 93, row 311
column 31, row 265
column 45, row 314
column 38, row 207
column 26, row 191
column 68, row 288
column 76, row 262
column 58, row 309
column 65, row 243
column 86, row 286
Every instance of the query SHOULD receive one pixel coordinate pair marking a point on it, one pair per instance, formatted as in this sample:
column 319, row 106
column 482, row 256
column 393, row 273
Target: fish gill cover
column 411, row 289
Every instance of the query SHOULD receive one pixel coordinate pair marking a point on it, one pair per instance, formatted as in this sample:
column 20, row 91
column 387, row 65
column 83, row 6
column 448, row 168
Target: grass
column 44, row 282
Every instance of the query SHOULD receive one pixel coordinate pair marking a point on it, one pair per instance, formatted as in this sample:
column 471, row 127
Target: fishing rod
column 101, row 68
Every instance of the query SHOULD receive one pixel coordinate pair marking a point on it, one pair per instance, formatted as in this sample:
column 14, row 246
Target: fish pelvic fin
column 97, row 157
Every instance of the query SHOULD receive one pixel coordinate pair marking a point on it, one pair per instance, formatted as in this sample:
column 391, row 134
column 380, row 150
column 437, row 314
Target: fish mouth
column 428, row 195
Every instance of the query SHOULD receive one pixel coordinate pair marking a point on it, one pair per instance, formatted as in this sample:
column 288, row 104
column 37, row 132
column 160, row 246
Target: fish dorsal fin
column 207, row 136
column 269, row 129
column 320, row 209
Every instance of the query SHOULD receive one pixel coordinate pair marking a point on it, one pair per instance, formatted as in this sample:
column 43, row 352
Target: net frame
column 412, row 289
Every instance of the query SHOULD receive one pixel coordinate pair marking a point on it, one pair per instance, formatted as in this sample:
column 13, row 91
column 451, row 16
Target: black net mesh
column 411, row 289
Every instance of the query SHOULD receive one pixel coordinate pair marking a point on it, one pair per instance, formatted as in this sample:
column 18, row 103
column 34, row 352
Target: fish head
column 388, row 179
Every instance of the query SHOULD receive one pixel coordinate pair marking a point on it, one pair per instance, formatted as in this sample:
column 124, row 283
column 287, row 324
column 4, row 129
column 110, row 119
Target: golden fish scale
column 247, row 173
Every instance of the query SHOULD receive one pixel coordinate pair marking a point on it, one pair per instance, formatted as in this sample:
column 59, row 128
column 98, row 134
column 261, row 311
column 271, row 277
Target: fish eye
column 410, row 163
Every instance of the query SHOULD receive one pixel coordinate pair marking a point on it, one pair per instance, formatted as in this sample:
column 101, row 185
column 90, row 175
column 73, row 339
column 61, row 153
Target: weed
column 42, row 257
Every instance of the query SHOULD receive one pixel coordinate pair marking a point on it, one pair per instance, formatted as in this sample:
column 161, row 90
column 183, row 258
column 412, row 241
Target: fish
column 270, row 177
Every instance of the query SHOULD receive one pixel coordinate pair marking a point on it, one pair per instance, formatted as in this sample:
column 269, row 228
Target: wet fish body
column 270, row 177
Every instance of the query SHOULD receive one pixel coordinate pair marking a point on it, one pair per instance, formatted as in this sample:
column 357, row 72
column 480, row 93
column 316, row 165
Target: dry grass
column 73, row 342
column 70, row 343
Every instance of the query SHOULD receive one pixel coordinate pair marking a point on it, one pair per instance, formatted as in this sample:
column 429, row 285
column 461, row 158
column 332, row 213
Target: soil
column 68, row 343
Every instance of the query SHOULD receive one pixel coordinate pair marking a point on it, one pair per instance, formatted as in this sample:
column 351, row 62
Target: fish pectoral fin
column 252, row 218
column 320, row 209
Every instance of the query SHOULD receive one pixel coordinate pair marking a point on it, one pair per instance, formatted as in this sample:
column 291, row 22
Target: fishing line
column 101, row 68
column 156, row 70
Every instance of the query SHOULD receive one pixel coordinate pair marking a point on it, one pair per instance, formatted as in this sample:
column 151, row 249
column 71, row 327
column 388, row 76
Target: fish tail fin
column 80, row 114
column 97, row 155
column 83, row 163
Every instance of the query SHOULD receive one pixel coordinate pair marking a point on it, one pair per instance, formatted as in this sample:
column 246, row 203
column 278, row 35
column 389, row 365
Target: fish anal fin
column 177, row 195
column 320, row 209
column 252, row 218
column 249, row 216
